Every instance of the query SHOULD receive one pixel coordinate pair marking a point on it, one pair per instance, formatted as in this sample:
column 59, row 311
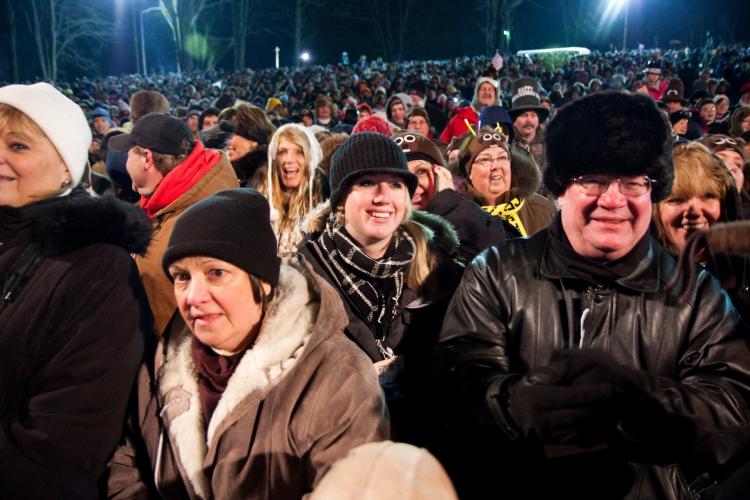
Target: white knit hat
column 60, row 119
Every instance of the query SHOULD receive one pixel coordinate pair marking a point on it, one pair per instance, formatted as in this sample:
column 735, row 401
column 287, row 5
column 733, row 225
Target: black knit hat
column 609, row 133
column 232, row 225
column 367, row 153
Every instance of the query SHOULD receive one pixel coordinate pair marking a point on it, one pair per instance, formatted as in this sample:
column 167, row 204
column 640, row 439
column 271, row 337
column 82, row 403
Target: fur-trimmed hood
column 439, row 231
column 64, row 224
column 304, row 312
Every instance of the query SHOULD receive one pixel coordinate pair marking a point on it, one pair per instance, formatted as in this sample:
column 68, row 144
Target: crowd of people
column 472, row 278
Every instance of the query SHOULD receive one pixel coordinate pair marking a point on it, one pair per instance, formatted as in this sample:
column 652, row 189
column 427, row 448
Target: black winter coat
column 70, row 343
column 476, row 228
column 516, row 306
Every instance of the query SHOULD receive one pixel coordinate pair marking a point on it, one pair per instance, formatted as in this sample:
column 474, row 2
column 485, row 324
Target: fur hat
column 61, row 120
column 609, row 133
column 418, row 147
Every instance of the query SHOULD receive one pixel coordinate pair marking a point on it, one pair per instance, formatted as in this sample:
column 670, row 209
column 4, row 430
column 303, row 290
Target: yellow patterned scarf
column 508, row 211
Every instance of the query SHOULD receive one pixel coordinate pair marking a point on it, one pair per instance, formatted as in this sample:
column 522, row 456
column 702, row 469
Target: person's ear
column 149, row 158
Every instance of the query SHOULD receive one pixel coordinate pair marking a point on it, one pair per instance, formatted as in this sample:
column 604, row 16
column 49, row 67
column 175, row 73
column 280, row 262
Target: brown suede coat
column 158, row 288
column 299, row 400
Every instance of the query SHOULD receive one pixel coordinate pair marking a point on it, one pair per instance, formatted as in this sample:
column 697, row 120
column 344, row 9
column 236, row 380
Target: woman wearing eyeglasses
column 504, row 181
column 703, row 194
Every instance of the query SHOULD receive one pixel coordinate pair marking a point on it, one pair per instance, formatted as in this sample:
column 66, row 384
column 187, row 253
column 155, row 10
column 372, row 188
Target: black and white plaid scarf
column 374, row 286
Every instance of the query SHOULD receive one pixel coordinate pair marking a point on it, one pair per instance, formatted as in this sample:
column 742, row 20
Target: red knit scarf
column 180, row 179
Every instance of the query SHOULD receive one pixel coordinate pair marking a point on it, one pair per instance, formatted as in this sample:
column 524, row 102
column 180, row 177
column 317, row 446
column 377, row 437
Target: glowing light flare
column 305, row 56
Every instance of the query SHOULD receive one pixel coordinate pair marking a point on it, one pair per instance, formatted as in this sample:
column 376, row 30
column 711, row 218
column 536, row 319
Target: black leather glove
column 544, row 405
column 216, row 137
column 643, row 423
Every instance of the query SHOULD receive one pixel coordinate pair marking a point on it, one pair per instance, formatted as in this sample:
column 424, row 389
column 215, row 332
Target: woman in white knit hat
column 71, row 312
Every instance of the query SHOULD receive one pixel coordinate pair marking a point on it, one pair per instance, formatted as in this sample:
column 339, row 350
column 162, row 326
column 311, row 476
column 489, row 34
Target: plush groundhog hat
column 609, row 133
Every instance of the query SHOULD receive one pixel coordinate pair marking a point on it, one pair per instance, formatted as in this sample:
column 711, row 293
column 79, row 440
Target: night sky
column 451, row 29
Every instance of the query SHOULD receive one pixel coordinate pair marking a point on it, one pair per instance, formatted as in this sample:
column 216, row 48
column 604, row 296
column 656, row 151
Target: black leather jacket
column 517, row 305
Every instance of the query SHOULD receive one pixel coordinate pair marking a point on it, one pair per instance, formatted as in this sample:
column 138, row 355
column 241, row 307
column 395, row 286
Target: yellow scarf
column 508, row 211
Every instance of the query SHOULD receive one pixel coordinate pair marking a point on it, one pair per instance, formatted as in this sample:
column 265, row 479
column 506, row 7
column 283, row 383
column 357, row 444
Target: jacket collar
column 646, row 277
column 61, row 225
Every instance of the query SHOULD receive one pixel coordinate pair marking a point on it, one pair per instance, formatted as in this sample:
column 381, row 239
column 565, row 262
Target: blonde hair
column 421, row 276
column 697, row 172
column 292, row 205
column 14, row 117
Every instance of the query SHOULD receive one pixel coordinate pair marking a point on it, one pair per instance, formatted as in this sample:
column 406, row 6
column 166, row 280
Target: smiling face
column 681, row 217
column 290, row 163
column 216, row 300
column 374, row 208
column 490, row 174
column 604, row 227
column 487, row 94
column 30, row 166
column 398, row 112
column 101, row 125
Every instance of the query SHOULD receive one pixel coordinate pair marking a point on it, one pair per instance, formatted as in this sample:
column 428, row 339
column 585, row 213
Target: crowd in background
column 494, row 237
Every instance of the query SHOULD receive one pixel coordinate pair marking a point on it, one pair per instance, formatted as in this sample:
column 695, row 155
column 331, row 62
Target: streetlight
column 143, row 38
column 613, row 9
column 305, row 56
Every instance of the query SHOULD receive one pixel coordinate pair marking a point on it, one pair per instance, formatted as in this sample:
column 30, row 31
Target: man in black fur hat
column 566, row 366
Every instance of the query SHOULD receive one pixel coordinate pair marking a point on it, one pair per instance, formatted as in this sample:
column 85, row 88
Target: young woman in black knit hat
column 258, row 392
column 391, row 265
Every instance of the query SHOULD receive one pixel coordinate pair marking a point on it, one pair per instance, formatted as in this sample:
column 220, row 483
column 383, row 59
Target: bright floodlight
column 305, row 56
column 614, row 7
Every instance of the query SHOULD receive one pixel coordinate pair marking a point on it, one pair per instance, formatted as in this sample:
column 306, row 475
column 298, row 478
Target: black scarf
column 589, row 270
column 373, row 286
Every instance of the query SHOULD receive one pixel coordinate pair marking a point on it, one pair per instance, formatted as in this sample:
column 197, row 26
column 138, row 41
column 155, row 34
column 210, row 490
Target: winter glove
column 546, row 407
column 216, row 137
column 644, row 425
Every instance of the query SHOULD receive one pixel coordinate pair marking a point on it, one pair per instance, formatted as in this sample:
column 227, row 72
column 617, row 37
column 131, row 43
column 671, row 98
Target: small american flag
column 497, row 61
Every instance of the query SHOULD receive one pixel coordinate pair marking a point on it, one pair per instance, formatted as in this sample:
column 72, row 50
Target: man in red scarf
column 171, row 171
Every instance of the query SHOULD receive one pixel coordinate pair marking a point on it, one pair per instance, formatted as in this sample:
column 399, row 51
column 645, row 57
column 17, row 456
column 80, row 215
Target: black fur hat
column 609, row 133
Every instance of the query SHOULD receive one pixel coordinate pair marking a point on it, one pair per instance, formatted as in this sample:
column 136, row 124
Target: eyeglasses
column 487, row 162
column 595, row 185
